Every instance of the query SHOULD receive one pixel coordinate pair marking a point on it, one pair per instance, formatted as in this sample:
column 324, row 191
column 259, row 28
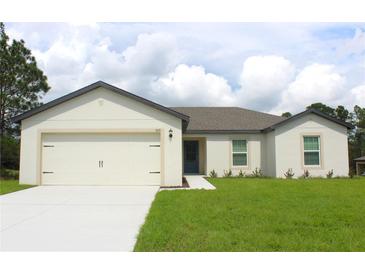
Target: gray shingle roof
column 226, row 119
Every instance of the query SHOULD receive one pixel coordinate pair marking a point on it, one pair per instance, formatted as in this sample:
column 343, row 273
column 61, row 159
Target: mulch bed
column 184, row 184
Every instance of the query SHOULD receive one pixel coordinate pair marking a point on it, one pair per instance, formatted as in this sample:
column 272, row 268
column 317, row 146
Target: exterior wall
column 276, row 151
column 289, row 147
column 101, row 110
column 270, row 155
column 219, row 152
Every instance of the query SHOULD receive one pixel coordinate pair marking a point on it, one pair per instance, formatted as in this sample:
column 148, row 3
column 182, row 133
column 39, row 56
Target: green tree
column 323, row 108
column 342, row 113
column 22, row 83
column 286, row 114
column 359, row 136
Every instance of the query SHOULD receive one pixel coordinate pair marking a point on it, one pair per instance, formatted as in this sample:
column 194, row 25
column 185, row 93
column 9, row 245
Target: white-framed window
column 312, row 150
column 239, row 152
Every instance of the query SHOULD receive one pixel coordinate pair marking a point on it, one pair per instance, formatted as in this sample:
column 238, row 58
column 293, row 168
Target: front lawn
column 259, row 215
column 8, row 186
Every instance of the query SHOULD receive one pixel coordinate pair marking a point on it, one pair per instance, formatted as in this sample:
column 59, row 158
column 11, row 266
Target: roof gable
column 92, row 87
column 306, row 112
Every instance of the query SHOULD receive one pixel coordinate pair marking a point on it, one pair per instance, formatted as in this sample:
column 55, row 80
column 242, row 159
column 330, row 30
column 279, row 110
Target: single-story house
column 360, row 165
column 103, row 135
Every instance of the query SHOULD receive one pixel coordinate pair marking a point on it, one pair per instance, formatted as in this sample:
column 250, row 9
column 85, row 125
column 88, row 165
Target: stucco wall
column 219, row 152
column 276, row 151
column 289, row 146
column 270, row 154
column 101, row 109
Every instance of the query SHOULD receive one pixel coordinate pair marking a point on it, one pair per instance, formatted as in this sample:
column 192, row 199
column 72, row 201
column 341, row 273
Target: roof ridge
column 231, row 107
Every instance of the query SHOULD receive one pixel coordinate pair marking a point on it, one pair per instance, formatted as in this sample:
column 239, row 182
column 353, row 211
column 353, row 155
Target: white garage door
column 101, row 159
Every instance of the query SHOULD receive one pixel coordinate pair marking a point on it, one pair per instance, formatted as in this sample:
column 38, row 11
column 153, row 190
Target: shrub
column 289, row 174
column 329, row 175
column 213, row 174
column 227, row 173
column 9, row 151
column 241, row 174
column 305, row 174
column 257, row 173
column 9, row 173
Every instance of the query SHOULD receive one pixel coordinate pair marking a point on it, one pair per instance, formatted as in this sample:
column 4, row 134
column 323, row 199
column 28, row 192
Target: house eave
column 77, row 93
column 309, row 111
column 224, row 131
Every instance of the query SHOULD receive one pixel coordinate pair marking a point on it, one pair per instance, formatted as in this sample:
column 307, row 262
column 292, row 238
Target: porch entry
column 191, row 157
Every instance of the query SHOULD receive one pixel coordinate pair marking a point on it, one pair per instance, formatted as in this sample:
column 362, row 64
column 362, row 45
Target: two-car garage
column 100, row 159
column 101, row 135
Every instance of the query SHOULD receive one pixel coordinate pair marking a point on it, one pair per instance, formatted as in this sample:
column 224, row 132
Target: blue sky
column 273, row 67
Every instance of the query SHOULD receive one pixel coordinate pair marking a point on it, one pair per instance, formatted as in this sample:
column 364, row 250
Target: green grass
column 259, row 215
column 8, row 186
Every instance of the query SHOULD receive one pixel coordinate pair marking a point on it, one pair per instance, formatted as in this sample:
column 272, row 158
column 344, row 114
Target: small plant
column 227, row 173
column 289, row 174
column 305, row 174
column 241, row 173
column 257, row 173
column 329, row 175
column 213, row 174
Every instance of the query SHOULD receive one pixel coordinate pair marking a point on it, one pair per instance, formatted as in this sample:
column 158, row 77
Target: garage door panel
column 101, row 159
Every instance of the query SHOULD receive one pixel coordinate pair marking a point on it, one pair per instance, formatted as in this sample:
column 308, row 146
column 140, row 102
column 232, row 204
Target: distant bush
column 213, row 174
column 289, row 174
column 9, row 174
column 227, row 173
column 329, row 175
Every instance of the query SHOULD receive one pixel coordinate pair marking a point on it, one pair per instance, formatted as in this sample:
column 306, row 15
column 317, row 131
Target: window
column 312, row 152
column 239, row 152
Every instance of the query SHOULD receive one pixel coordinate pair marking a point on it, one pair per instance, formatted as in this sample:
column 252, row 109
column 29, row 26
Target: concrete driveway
column 74, row 218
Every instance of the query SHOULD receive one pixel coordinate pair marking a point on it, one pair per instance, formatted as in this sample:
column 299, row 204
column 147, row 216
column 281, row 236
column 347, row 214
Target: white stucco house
column 103, row 135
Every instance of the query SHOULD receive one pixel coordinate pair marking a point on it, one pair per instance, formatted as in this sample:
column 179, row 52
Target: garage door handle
column 155, row 172
column 101, row 163
column 47, row 172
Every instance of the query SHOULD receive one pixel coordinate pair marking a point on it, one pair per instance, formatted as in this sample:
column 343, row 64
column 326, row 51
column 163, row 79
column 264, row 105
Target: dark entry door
column 191, row 156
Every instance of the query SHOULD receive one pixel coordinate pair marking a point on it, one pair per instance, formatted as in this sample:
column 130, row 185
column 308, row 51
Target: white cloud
column 201, row 64
column 83, row 59
column 191, row 85
column 357, row 96
column 356, row 45
column 153, row 54
column 315, row 83
column 263, row 79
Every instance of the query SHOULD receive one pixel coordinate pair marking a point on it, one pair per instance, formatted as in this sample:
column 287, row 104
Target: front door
column 191, row 156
